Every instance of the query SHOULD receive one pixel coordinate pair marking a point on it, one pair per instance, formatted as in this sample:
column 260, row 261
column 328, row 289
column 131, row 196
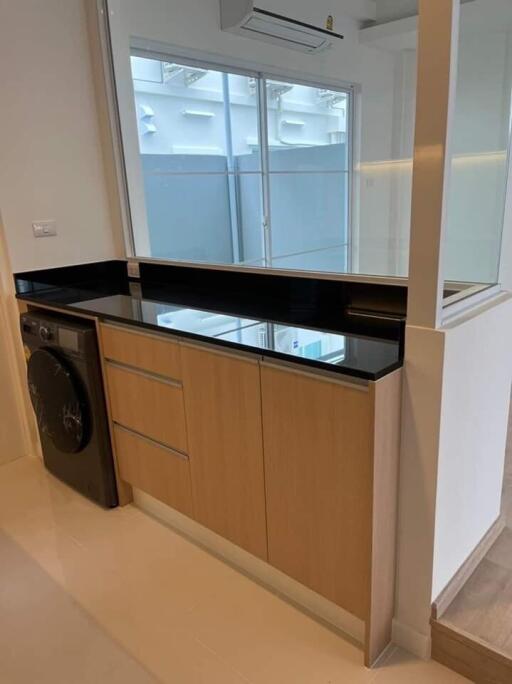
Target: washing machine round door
column 59, row 401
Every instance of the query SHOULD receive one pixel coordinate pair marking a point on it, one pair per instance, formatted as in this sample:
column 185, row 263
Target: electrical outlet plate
column 47, row 228
column 135, row 289
column 133, row 269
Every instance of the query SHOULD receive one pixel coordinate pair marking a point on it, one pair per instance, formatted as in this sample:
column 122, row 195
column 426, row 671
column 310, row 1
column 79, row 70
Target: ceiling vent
column 243, row 18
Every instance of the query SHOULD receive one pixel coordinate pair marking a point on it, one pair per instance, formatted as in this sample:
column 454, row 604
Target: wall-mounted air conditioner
column 243, row 18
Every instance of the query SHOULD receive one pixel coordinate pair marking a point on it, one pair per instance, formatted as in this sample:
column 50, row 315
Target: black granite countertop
column 171, row 307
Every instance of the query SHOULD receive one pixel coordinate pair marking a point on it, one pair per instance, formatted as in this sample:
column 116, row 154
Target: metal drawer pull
column 145, row 374
column 152, row 442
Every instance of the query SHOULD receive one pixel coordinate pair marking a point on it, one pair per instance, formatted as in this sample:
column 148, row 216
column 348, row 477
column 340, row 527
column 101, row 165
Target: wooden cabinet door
column 318, row 475
column 155, row 469
column 223, row 412
column 151, row 406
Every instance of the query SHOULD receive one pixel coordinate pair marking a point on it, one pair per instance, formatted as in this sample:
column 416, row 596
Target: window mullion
column 349, row 146
column 264, row 153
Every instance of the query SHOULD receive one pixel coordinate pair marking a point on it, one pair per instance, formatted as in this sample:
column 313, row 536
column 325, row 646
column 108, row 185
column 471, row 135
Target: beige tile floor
column 89, row 596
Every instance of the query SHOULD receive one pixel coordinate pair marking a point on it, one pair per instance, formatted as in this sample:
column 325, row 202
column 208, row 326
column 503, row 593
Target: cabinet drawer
column 150, row 406
column 154, row 469
column 141, row 351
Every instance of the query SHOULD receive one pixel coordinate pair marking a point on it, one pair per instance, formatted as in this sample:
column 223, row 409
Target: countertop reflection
column 350, row 354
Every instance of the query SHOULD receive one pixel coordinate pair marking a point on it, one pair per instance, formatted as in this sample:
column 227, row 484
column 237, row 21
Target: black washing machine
column 66, row 389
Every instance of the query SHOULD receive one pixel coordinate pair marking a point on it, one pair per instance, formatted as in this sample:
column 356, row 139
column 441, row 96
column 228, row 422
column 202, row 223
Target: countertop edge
column 302, row 362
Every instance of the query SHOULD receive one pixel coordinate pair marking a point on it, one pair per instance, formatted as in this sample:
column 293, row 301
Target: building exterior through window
column 242, row 169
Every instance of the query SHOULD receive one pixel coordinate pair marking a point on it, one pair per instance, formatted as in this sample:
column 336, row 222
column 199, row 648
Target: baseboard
column 445, row 598
column 411, row 640
column 301, row 597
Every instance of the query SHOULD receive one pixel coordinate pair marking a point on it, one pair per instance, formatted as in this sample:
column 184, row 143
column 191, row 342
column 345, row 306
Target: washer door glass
column 59, row 401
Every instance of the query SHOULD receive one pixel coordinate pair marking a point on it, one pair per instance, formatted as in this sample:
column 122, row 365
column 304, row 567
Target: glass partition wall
column 251, row 170
column 240, row 154
column 479, row 144
column 306, row 166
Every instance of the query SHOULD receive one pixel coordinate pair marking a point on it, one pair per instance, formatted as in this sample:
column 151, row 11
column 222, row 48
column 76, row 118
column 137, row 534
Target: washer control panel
column 37, row 329
column 45, row 331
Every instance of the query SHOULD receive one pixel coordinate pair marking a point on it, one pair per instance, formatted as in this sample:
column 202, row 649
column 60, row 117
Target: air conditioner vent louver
column 241, row 17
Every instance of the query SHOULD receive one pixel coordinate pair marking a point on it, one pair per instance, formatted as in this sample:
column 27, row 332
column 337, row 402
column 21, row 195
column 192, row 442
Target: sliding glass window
column 241, row 169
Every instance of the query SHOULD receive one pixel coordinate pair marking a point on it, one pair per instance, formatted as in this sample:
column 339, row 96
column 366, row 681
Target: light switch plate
column 44, row 228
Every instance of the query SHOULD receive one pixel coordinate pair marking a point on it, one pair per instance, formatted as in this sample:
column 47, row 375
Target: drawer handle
column 153, row 442
column 145, row 374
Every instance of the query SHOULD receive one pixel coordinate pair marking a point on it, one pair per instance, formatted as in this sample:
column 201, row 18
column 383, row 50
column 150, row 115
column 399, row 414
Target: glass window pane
column 308, row 128
column 191, row 113
column 211, row 217
column 201, row 163
column 250, row 220
column 309, row 227
column 480, row 141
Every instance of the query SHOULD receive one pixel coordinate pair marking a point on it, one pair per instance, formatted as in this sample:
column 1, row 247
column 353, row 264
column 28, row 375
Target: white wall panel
column 52, row 166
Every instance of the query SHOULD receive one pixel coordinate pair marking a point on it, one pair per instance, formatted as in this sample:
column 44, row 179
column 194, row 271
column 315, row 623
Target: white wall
column 473, row 435
column 18, row 435
column 454, row 427
column 51, row 157
column 421, row 416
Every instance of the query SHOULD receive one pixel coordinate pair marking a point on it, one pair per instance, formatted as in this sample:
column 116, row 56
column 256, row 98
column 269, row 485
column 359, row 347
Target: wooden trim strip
column 124, row 489
column 251, row 357
column 469, row 656
column 386, row 402
column 31, row 306
column 357, row 384
column 470, row 640
column 134, row 329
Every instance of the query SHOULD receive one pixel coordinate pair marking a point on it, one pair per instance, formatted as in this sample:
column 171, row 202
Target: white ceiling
column 396, row 25
column 491, row 14
column 389, row 10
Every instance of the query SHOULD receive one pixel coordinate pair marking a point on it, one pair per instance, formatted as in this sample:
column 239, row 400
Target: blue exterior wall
column 189, row 215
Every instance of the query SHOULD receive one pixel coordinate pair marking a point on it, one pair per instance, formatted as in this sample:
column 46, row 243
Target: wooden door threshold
column 472, row 656
column 468, row 655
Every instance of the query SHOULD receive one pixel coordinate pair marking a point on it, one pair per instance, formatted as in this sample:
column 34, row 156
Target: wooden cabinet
column 223, row 408
column 152, row 468
column 318, row 443
column 331, row 461
column 298, row 468
column 147, row 414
